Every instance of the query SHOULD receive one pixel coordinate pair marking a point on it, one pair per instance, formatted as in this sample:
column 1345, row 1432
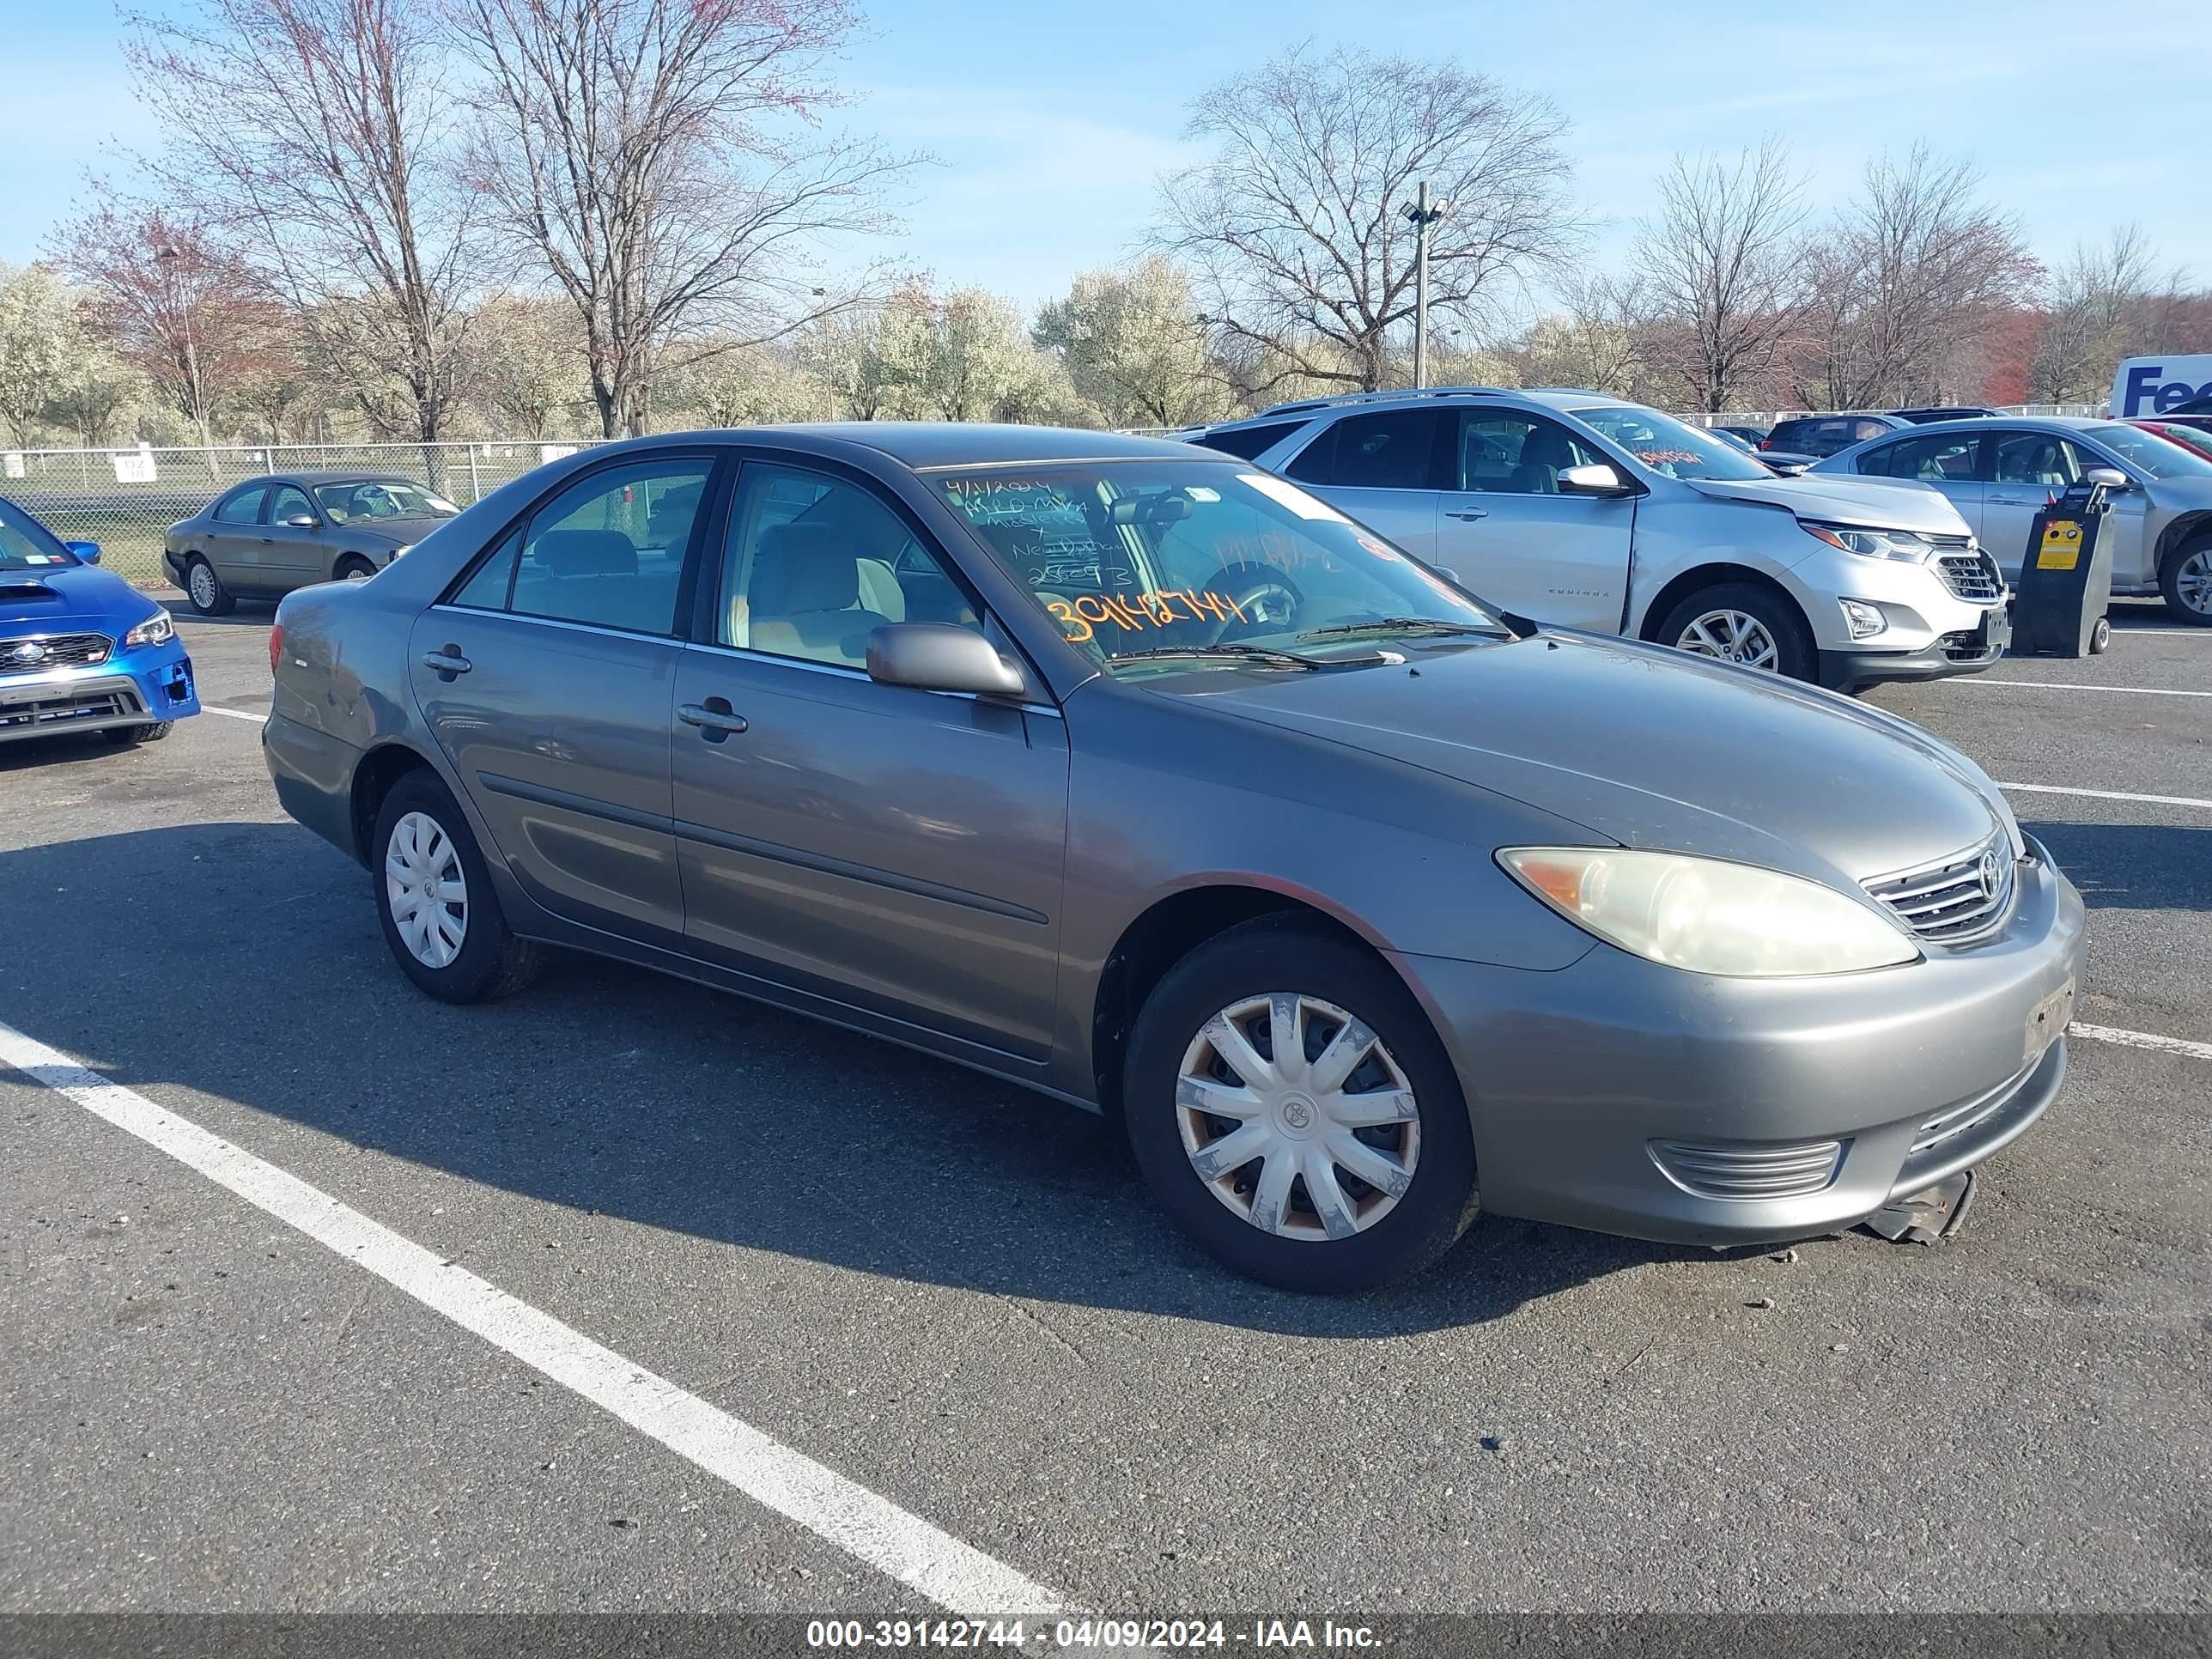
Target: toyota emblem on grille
column 30, row 651
column 1988, row 873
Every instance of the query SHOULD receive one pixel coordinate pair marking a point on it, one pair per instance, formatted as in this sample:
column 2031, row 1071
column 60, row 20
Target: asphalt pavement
column 957, row 1297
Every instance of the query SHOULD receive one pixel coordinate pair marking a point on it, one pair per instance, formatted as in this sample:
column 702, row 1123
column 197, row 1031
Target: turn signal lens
column 1707, row 915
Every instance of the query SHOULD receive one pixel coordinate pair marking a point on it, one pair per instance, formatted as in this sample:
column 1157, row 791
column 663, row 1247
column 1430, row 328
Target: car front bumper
column 1628, row 1098
column 151, row 684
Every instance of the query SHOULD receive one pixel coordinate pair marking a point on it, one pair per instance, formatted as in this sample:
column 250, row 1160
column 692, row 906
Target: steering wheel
column 1270, row 601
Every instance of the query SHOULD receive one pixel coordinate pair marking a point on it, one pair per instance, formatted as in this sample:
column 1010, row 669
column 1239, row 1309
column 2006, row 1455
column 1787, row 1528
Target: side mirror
column 1598, row 478
column 89, row 551
column 302, row 521
column 2111, row 476
column 942, row 656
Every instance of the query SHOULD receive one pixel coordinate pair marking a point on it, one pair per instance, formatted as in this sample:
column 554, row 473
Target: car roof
column 1547, row 397
column 921, row 444
column 319, row 477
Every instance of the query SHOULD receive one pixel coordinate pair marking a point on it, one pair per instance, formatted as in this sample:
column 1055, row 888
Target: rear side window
column 1245, row 442
column 1949, row 459
column 1391, row 449
column 242, row 506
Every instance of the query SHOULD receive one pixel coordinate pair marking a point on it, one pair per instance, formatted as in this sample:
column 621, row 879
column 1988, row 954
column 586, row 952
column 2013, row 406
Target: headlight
column 1707, row 915
column 397, row 551
column 156, row 629
column 1903, row 545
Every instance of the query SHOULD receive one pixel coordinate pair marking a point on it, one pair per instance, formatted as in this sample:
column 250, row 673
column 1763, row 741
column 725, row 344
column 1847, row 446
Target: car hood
column 69, row 595
column 1649, row 748
column 396, row 532
column 1892, row 504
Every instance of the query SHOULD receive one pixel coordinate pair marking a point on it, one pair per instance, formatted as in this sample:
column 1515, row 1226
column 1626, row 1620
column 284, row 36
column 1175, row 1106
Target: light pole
column 1423, row 216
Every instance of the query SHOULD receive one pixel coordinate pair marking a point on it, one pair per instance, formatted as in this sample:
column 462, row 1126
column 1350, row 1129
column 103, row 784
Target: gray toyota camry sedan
column 1134, row 774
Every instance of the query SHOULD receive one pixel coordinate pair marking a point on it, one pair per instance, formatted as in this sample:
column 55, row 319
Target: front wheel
column 355, row 570
column 434, row 898
column 1293, row 1109
column 1737, row 623
column 2184, row 577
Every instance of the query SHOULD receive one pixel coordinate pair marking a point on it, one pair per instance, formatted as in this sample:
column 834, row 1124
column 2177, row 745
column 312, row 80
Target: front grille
column 1968, row 645
column 63, row 709
column 1783, row 1170
column 54, row 651
column 1971, row 576
column 1958, row 898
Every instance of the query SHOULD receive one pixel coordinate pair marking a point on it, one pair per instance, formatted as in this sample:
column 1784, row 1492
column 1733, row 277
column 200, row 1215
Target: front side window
column 243, row 506
column 1672, row 448
column 1939, row 460
column 287, row 502
column 1508, row 454
column 2148, row 453
column 373, row 499
column 608, row 549
column 1163, row 565
column 2033, row 458
column 26, row 544
column 1391, row 449
column 814, row 564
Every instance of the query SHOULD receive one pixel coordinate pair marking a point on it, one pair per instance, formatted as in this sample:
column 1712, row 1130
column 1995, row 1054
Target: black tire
column 353, row 569
column 126, row 735
column 210, row 598
column 2197, row 554
column 1794, row 653
column 1274, row 955
column 491, row 962
column 2100, row 637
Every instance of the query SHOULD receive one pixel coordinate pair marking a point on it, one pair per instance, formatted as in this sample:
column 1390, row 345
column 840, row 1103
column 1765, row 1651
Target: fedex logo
column 2156, row 385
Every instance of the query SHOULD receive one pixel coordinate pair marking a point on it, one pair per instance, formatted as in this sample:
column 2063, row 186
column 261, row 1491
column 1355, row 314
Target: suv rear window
column 1245, row 442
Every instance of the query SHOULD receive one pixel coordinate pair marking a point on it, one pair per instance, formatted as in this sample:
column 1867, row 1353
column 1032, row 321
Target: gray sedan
column 263, row 537
column 1138, row 775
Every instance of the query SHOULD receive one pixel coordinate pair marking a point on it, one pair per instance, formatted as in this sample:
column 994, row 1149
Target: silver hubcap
column 426, row 890
column 2193, row 582
column 1297, row 1117
column 203, row 587
column 1731, row 636
column 354, row 573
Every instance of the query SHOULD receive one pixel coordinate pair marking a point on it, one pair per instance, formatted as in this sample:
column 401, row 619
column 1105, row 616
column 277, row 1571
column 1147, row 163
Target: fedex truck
column 2158, row 386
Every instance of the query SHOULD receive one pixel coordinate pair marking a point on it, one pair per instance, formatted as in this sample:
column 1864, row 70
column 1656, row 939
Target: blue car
column 80, row 649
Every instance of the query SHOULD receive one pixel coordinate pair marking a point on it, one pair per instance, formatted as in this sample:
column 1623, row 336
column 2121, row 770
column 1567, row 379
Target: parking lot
column 852, row 1305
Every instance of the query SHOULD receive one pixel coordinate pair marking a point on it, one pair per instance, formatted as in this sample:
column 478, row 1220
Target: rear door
column 1507, row 533
column 233, row 543
column 2025, row 470
column 1384, row 469
column 547, row 676
column 1951, row 462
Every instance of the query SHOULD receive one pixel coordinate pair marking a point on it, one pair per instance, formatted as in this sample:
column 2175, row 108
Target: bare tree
column 1720, row 266
column 1295, row 227
column 1913, row 273
column 2086, row 308
column 316, row 137
column 655, row 156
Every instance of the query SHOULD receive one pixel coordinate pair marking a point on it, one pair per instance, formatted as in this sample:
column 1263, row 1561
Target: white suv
column 1582, row 511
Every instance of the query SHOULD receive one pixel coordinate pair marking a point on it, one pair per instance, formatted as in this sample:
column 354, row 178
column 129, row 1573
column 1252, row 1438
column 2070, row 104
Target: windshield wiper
column 1258, row 656
column 1400, row 625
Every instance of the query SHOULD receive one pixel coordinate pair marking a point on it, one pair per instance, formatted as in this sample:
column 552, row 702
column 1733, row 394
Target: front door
column 896, row 850
column 548, row 678
column 1512, row 537
column 291, row 556
column 2031, row 468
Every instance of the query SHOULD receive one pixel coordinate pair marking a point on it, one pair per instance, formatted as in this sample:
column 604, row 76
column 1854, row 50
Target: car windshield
column 26, row 544
column 1668, row 446
column 1144, row 564
column 2146, row 451
column 381, row 498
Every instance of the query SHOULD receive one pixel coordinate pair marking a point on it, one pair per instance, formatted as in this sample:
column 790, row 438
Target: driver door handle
column 447, row 661
column 714, row 723
column 1469, row 514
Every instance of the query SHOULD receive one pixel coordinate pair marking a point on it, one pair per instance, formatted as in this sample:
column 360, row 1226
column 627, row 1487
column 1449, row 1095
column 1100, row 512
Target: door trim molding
column 824, row 865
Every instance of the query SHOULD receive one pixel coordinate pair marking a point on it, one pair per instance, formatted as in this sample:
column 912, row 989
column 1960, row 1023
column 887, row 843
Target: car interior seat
column 805, row 598
column 1543, row 456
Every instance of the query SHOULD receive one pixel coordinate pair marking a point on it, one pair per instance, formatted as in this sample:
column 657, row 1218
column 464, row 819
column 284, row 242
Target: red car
column 2190, row 431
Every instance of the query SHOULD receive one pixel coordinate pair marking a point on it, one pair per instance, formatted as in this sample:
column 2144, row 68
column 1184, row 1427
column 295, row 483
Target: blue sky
column 1050, row 120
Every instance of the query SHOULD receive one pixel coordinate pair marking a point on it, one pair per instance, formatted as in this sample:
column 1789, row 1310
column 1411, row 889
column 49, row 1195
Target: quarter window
column 242, row 506
column 814, row 564
column 1391, row 449
column 1245, row 442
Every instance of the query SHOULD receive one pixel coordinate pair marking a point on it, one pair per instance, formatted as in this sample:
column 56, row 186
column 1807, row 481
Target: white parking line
column 2060, row 685
column 2165, row 1045
column 2108, row 795
column 235, row 714
column 847, row 1515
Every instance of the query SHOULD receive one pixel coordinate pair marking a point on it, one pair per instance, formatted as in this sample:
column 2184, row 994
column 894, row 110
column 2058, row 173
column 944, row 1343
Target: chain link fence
column 125, row 499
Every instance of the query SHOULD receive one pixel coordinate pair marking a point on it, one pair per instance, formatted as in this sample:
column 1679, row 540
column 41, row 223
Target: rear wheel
column 205, row 589
column 434, row 898
column 2184, row 577
column 1737, row 623
column 1293, row 1109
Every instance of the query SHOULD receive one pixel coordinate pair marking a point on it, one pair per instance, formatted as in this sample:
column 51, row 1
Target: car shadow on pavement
column 243, row 960
column 2137, row 867
column 59, row 749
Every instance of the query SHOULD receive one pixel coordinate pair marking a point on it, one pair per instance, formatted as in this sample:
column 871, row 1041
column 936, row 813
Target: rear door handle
column 1469, row 514
column 448, row 661
column 715, row 724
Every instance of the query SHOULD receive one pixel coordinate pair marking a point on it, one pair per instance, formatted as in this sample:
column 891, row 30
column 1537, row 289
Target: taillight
column 1766, row 443
column 276, row 647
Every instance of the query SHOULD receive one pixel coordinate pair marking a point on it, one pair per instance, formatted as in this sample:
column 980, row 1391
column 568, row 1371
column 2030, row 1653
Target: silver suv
column 1585, row 511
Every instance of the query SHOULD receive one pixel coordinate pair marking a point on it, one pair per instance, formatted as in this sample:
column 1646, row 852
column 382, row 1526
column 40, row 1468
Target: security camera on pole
column 1423, row 216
